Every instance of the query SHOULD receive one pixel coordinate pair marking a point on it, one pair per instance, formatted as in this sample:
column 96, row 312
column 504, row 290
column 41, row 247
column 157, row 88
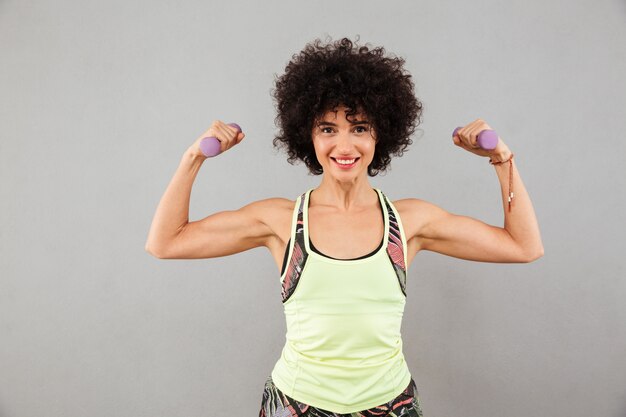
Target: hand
column 466, row 138
column 228, row 136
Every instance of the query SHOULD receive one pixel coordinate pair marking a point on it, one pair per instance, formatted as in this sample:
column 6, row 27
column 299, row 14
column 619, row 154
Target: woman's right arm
column 171, row 234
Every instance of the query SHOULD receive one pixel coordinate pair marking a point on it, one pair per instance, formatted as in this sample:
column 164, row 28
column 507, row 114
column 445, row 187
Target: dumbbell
column 487, row 139
column 210, row 146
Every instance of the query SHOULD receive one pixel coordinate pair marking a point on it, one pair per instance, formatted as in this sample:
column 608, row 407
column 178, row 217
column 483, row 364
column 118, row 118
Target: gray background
column 101, row 98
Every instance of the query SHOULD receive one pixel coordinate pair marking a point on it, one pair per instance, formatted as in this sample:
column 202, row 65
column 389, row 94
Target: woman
column 343, row 248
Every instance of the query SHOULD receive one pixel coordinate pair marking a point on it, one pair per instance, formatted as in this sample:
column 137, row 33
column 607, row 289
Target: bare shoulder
column 415, row 214
column 275, row 213
column 271, row 211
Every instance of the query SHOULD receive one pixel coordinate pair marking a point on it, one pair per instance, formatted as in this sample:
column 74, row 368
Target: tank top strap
column 396, row 243
column 297, row 254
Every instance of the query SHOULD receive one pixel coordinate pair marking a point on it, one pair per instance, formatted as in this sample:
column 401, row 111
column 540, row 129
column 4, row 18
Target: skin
column 345, row 220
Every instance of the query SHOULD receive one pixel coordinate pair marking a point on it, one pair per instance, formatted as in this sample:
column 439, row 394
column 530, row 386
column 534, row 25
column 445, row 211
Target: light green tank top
column 343, row 350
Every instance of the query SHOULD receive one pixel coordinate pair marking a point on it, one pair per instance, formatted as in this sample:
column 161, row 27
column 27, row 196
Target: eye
column 365, row 129
column 324, row 128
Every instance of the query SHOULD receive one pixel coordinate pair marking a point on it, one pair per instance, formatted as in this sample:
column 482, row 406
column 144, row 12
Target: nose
column 344, row 142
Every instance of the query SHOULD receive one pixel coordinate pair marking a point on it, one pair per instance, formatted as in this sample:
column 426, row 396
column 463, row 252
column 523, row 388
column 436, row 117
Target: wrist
column 192, row 156
column 500, row 157
column 192, row 161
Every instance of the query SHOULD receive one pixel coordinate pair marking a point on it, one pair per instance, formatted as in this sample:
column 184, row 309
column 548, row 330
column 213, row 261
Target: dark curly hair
column 321, row 77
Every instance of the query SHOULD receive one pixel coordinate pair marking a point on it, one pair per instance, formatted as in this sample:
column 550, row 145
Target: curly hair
column 321, row 77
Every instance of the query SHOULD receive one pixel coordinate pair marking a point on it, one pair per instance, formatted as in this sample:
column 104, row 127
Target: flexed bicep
column 467, row 238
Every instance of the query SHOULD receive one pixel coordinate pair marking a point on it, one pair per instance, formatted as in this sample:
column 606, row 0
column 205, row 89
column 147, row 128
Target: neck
column 344, row 196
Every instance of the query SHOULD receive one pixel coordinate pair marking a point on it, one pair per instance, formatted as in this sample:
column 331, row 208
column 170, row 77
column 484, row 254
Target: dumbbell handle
column 487, row 139
column 211, row 146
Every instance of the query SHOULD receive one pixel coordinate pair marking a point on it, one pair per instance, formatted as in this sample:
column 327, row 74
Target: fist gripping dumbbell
column 486, row 139
column 210, row 146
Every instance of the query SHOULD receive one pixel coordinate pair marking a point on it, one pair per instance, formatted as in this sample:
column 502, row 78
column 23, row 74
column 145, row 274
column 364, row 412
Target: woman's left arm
column 468, row 238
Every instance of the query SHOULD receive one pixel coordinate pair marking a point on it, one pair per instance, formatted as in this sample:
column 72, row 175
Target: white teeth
column 345, row 161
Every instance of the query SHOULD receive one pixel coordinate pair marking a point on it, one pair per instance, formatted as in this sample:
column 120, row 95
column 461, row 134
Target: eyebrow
column 360, row 122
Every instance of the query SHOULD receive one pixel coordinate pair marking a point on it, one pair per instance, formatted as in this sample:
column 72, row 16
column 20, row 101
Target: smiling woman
column 357, row 77
column 343, row 110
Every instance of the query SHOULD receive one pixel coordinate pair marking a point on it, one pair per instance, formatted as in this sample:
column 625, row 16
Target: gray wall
column 101, row 98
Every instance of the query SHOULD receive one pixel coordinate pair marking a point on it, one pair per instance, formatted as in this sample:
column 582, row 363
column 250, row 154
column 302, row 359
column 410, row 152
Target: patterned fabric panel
column 395, row 250
column 298, row 257
column 276, row 404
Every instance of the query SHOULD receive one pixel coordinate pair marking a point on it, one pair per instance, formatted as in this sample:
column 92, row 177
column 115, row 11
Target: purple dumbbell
column 211, row 146
column 487, row 139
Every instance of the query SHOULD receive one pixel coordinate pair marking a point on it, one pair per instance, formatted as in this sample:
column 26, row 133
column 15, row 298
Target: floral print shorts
column 276, row 404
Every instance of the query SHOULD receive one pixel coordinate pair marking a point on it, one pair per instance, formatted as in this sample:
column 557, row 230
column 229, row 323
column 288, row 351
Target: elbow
column 156, row 253
column 534, row 255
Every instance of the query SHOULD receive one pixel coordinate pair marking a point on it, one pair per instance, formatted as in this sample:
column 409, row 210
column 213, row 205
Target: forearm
column 520, row 220
column 172, row 213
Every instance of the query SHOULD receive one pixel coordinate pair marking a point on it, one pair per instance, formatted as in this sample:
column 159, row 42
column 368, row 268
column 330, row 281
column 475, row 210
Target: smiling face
column 344, row 143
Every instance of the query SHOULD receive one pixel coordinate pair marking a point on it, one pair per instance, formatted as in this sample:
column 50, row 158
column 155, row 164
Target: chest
column 346, row 236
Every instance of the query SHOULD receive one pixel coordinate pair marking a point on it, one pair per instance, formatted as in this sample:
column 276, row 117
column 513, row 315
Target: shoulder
column 416, row 214
column 269, row 207
column 274, row 212
column 415, row 206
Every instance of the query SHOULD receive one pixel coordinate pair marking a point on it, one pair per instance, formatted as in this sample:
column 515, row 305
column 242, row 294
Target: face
column 337, row 139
